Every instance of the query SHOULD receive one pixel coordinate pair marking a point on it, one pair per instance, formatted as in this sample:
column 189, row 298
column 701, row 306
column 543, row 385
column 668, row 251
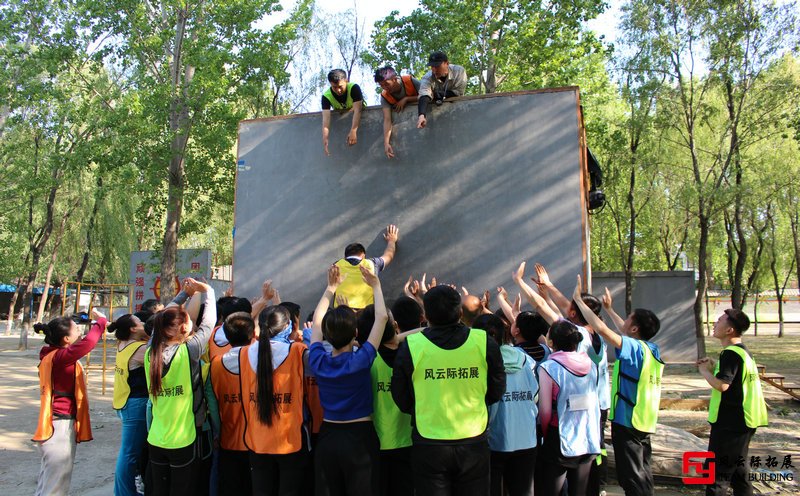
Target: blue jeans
column 134, row 434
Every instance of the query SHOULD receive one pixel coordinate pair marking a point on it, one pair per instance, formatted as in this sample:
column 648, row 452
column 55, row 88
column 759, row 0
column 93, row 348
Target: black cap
column 436, row 59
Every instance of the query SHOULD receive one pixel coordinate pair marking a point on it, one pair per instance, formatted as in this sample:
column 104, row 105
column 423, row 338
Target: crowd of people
column 443, row 81
column 437, row 394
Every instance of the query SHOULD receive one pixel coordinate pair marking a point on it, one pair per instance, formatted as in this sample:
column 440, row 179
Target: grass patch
column 778, row 354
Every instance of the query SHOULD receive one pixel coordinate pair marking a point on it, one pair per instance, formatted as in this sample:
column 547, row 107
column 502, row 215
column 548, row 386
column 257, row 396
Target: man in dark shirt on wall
column 445, row 376
column 737, row 405
column 342, row 96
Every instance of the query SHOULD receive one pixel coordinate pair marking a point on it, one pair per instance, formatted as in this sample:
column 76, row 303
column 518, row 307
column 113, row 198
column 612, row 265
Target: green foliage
column 504, row 45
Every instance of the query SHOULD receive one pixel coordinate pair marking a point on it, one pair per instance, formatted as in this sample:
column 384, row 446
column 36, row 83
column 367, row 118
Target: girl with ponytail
column 64, row 408
column 176, row 391
column 272, row 372
column 569, row 413
column 130, row 399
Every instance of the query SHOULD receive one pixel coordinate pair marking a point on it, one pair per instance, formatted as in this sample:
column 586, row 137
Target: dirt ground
column 94, row 464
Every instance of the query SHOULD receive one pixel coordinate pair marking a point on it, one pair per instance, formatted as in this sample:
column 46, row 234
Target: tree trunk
column 51, row 266
column 702, row 284
column 755, row 313
column 180, row 125
column 90, row 232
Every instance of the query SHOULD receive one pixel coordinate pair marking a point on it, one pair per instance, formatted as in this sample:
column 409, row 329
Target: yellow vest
column 358, row 293
column 121, row 372
column 450, row 387
column 753, row 405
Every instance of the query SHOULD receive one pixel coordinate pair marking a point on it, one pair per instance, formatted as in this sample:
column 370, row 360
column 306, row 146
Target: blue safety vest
column 578, row 409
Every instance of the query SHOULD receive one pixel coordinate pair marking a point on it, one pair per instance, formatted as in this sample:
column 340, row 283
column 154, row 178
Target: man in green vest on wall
column 342, row 96
column 445, row 377
column 737, row 405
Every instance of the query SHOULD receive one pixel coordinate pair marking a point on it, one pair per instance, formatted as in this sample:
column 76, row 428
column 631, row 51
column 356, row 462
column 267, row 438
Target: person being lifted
column 398, row 91
column 353, row 289
column 342, row 96
column 444, row 80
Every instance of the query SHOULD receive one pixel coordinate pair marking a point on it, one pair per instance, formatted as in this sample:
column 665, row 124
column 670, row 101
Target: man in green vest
column 353, row 289
column 444, row 377
column 635, row 391
column 737, row 405
column 342, row 96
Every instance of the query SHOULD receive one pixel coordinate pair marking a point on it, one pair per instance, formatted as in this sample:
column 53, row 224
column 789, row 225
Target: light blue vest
column 578, row 410
column 601, row 363
column 512, row 420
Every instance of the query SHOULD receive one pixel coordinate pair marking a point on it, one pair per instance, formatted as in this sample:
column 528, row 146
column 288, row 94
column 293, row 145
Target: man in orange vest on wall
column 398, row 91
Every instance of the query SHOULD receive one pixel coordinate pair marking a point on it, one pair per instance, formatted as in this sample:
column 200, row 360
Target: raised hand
column 486, row 299
column 519, row 274
column 335, row 277
column 391, row 233
column 341, row 300
column 607, row 301
column 541, row 275
column 368, row 277
column 576, row 295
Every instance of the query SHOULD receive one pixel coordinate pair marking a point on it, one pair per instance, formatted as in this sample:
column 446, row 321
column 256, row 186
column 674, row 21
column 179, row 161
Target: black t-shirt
column 387, row 354
column 355, row 92
column 731, row 410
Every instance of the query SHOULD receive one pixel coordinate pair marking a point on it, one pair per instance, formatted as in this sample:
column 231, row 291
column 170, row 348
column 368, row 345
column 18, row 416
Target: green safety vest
column 450, row 387
column 173, row 416
column 392, row 425
column 358, row 293
column 121, row 372
column 755, row 409
column 648, row 392
column 335, row 105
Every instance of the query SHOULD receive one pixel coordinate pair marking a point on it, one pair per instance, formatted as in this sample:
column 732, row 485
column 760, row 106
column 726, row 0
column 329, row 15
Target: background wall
column 492, row 181
column 670, row 295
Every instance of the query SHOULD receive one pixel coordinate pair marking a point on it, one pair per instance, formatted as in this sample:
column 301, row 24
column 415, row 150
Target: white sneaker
column 139, row 484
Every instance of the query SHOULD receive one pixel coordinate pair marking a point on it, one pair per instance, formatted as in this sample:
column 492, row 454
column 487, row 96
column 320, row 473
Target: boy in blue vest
column 636, row 391
column 737, row 405
column 342, row 96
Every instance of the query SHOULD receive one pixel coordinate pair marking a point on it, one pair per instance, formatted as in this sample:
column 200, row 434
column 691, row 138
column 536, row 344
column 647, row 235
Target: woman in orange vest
column 130, row 399
column 272, row 390
column 64, row 411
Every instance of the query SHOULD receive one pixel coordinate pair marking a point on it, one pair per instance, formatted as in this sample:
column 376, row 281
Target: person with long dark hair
column 130, row 399
column 175, row 386
column 271, row 373
column 64, row 410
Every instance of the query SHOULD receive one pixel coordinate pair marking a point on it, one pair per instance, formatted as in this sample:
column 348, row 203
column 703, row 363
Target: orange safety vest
column 215, row 350
column 44, row 427
column 410, row 90
column 285, row 435
column 229, row 396
column 314, row 404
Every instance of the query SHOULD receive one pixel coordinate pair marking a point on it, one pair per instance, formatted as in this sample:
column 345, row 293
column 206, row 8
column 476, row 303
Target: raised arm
column 334, row 279
column 269, row 295
column 381, row 316
column 607, row 301
column 390, row 235
column 593, row 320
column 533, row 298
column 209, row 320
column 557, row 296
column 508, row 311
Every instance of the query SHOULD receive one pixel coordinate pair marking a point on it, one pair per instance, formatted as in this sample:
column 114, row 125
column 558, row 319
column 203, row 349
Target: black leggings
column 514, row 470
column 278, row 475
column 553, row 468
column 347, row 460
column 180, row 471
